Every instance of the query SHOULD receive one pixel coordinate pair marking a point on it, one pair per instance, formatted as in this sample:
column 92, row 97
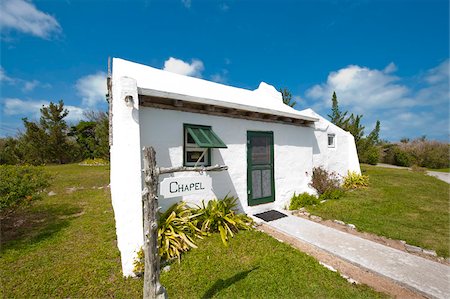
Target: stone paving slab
column 427, row 277
column 443, row 176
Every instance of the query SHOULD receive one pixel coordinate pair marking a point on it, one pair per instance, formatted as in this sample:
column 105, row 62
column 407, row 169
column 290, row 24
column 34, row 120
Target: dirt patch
column 397, row 244
column 73, row 189
column 348, row 270
column 71, row 216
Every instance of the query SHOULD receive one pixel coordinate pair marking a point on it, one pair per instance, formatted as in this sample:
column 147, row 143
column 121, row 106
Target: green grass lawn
column 398, row 204
column 255, row 265
column 64, row 246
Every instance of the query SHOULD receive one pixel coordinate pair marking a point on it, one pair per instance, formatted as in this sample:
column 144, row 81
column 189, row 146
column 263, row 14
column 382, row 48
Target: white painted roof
column 156, row 82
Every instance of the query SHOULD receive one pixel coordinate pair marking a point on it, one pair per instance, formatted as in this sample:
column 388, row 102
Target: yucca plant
column 177, row 228
column 354, row 180
column 220, row 216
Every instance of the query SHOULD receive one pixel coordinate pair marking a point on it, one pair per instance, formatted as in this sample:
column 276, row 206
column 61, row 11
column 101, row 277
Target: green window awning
column 205, row 137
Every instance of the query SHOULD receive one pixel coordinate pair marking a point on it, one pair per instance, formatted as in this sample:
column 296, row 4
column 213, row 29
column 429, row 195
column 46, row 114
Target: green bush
column 20, row 185
column 302, row 200
column 332, row 194
column 323, row 180
column 220, row 216
column 421, row 152
column 354, row 180
column 371, row 155
column 402, row 158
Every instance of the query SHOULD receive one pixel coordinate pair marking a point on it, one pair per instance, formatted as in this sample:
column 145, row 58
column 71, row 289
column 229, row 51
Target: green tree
column 367, row 149
column 34, row 143
column 287, row 97
column 46, row 141
column 353, row 125
column 9, row 151
column 53, row 123
column 101, row 129
column 337, row 117
column 374, row 136
column 84, row 133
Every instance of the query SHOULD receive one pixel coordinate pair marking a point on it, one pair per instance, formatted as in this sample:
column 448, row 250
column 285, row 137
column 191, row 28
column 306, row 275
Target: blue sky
column 387, row 60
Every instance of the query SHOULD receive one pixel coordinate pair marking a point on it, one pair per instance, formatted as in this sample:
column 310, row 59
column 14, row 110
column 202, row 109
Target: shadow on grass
column 223, row 284
column 35, row 224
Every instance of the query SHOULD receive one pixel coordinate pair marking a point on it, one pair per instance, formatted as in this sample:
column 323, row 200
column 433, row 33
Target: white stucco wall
column 163, row 129
column 125, row 174
column 342, row 157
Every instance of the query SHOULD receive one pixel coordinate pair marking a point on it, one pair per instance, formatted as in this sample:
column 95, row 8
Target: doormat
column 270, row 215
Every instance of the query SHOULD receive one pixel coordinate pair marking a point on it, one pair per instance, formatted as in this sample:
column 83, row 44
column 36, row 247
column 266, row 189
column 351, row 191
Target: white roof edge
column 207, row 101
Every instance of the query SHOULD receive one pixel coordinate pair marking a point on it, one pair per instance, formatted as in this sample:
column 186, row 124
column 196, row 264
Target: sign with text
column 179, row 186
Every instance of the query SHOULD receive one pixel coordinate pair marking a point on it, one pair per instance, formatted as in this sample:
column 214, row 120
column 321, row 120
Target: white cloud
column 390, row 68
column 32, row 109
column 25, row 17
column 14, row 106
column 220, row 77
column 27, row 86
column 224, row 7
column 362, row 89
column 75, row 113
column 92, row 88
column 411, row 110
column 187, row 3
column 178, row 66
column 30, row 85
column 4, row 77
column 438, row 74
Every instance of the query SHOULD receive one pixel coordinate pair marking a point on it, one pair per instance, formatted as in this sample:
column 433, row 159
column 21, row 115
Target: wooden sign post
column 152, row 287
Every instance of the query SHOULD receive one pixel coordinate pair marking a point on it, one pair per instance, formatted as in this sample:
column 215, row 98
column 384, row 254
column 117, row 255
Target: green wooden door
column 260, row 168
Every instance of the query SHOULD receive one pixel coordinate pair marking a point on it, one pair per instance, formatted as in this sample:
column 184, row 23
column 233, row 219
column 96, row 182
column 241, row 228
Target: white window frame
column 192, row 147
column 333, row 145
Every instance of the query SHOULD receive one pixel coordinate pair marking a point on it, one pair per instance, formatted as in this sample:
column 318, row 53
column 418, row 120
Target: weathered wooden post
column 152, row 287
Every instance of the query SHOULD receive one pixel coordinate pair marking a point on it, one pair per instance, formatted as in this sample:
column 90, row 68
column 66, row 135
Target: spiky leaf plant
column 354, row 180
column 220, row 216
column 177, row 228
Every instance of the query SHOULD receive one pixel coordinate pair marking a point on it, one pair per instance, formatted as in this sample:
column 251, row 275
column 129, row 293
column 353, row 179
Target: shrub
column 332, row 194
column 220, row 216
column 425, row 153
column 177, row 228
column 354, row 180
column 302, row 200
column 139, row 263
column 20, row 185
column 402, row 158
column 323, row 180
column 368, row 151
column 94, row 162
column 371, row 155
column 387, row 153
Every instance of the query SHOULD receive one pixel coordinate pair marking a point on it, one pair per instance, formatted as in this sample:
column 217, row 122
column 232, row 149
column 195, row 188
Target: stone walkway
column 429, row 278
column 443, row 176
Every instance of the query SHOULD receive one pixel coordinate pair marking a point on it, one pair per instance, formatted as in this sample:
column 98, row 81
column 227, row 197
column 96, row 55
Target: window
column 198, row 142
column 331, row 140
